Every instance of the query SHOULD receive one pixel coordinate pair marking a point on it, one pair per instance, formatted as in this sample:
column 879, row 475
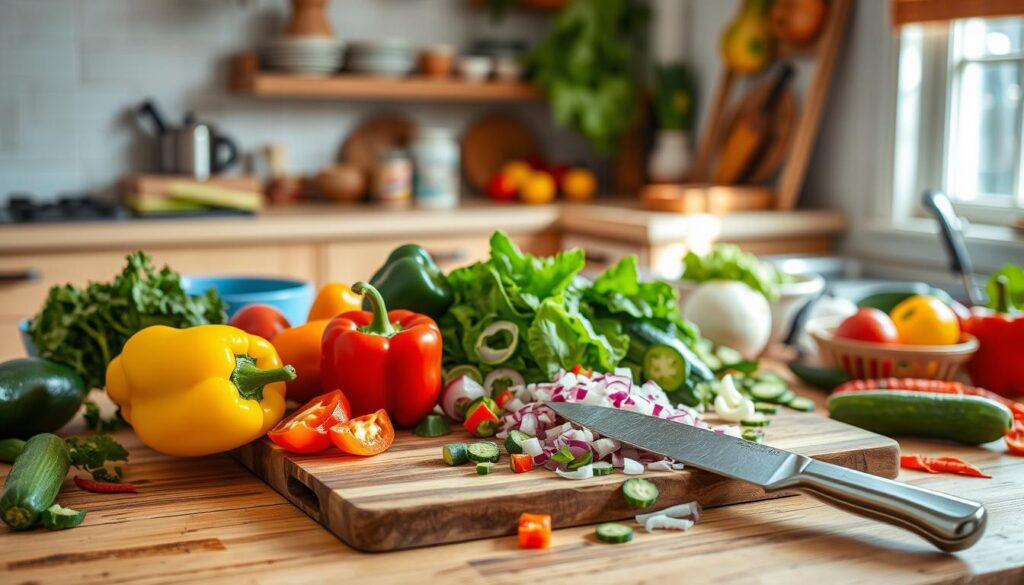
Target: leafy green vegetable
column 85, row 328
column 1014, row 285
column 587, row 65
column 542, row 297
column 729, row 262
column 93, row 454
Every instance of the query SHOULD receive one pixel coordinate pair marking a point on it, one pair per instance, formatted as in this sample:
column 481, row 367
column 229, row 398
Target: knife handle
column 948, row 522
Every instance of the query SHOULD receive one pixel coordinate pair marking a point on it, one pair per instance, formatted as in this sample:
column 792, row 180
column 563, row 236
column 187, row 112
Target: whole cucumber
column 34, row 481
column 971, row 420
column 643, row 335
column 38, row 396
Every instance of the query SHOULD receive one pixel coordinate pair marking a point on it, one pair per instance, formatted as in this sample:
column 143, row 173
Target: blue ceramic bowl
column 290, row 296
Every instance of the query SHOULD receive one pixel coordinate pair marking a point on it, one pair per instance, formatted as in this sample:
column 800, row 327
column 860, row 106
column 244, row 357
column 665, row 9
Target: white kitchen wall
column 71, row 72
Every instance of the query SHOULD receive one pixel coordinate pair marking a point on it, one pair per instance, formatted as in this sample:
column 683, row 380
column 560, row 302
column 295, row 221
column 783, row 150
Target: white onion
column 663, row 465
column 532, row 447
column 661, row 521
column 631, row 466
column 585, row 472
column 690, row 511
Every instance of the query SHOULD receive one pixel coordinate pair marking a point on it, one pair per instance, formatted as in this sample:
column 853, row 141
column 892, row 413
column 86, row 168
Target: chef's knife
column 948, row 522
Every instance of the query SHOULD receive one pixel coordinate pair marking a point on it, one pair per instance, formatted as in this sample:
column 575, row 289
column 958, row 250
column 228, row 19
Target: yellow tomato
column 579, row 185
column 925, row 320
column 333, row 299
column 538, row 188
column 517, row 172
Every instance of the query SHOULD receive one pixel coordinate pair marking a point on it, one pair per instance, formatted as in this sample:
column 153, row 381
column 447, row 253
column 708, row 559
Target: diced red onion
column 604, row 447
column 457, row 395
column 631, row 466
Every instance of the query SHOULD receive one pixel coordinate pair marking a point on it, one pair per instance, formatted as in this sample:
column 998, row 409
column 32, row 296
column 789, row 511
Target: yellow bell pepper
column 200, row 390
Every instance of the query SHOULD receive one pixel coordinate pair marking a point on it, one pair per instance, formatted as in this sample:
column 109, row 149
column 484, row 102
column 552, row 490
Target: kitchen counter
column 612, row 219
column 209, row 520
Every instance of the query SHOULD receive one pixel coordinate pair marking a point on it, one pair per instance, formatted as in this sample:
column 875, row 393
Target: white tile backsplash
column 71, row 72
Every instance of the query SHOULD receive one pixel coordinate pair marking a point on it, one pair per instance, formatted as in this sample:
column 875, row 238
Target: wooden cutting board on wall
column 407, row 497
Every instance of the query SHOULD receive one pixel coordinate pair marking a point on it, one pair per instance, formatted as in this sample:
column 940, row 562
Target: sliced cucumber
column 666, row 367
column 758, row 420
column 602, row 468
column 728, row 355
column 514, row 441
column 583, row 459
column 455, row 453
column 801, row 403
column 57, row 517
column 483, row 452
column 639, row 492
column 754, row 435
column 767, row 391
column 484, row 468
column 432, row 425
column 786, row 397
column 766, row 408
column 614, row 533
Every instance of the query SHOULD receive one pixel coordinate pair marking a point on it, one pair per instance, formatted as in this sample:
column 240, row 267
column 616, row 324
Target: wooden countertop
column 611, row 219
column 208, row 520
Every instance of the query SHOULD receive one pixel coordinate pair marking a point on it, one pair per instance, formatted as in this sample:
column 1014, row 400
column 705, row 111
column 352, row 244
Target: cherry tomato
column 502, row 188
column 306, row 430
column 365, row 435
column 262, row 320
column 868, row 324
column 925, row 320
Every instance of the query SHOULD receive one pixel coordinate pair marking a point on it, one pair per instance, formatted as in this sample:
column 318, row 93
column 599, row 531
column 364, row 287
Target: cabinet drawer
column 21, row 298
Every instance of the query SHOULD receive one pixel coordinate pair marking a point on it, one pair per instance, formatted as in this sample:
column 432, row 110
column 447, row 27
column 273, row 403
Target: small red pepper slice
column 502, row 399
column 365, row 435
column 521, row 462
column 306, row 430
column 534, row 530
column 578, row 369
column 105, row 487
column 941, row 465
column 1015, row 438
column 480, row 421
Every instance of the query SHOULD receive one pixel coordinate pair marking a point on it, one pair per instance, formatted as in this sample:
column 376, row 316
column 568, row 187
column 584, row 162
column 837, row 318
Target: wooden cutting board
column 407, row 497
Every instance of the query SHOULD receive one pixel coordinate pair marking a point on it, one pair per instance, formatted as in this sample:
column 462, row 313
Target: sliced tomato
column 306, row 430
column 365, row 435
column 1015, row 438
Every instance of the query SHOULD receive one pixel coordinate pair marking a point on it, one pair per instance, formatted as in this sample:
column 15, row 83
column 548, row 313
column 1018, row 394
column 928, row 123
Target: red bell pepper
column 306, row 430
column 382, row 360
column 997, row 365
column 520, row 462
column 534, row 530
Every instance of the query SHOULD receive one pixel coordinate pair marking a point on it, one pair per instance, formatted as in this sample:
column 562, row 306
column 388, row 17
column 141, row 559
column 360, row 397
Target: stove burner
column 22, row 209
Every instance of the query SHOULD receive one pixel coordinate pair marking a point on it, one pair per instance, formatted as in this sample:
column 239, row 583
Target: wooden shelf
column 248, row 79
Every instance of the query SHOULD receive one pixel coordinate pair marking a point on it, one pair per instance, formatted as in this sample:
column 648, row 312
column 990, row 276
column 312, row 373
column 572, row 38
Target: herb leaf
column 93, row 454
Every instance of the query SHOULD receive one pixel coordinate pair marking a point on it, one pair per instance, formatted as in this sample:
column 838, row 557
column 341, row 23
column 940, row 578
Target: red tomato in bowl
column 262, row 320
column 868, row 324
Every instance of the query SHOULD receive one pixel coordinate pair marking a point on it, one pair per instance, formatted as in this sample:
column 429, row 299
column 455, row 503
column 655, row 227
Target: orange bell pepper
column 300, row 347
column 334, row 299
column 366, row 435
column 534, row 530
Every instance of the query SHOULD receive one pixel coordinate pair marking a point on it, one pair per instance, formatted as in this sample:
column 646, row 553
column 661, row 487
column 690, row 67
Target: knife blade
column 948, row 522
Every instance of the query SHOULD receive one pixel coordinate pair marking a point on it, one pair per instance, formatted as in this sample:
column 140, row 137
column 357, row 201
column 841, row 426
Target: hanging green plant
column 588, row 63
column 675, row 102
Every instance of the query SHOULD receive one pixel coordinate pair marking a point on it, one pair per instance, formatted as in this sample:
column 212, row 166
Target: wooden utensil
column 407, row 497
column 375, row 136
column 749, row 135
column 780, row 135
column 493, row 141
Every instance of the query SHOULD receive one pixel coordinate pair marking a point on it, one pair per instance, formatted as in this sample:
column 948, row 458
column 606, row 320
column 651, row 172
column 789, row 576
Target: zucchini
column 454, row 454
column 432, row 425
column 57, row 517
column 34, row 481
column 666, row 367
column 970, row 420
column 10, row 449
column 38, row 396
column 644, row 334
column 483, row 452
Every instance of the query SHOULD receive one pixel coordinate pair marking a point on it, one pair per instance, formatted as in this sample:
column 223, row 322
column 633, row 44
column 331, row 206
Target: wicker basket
column 864, row 359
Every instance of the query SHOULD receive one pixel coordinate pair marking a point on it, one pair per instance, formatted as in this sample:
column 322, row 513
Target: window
column 960, row 117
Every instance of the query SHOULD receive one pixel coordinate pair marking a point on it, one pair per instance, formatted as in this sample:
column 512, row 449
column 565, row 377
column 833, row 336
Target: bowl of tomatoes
column 919, row 338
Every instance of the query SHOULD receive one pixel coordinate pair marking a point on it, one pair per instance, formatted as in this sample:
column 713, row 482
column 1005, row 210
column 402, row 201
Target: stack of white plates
column 314, row 55
column 386, row 57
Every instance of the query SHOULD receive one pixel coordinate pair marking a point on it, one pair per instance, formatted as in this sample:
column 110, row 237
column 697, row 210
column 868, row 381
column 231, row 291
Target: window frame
column 931, row 140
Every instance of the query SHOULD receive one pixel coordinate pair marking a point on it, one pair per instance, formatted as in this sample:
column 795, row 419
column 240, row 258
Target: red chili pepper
column 105, row 487
column 941, row 465
column 1015, row 438
column 383, row 360
column 934, row 386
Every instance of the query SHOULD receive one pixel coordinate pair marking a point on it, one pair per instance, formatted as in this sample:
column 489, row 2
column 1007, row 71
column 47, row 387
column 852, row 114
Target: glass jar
column 392, row 178
column 435, row 155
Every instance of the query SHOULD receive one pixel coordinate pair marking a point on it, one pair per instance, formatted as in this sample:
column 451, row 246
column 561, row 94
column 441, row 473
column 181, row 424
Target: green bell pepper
column 411, row 280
